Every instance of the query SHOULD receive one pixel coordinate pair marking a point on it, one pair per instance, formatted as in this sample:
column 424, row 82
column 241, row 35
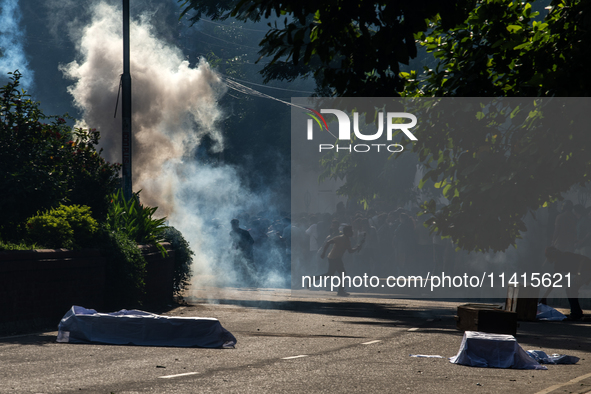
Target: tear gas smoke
column 12, row 54
column 174, row 107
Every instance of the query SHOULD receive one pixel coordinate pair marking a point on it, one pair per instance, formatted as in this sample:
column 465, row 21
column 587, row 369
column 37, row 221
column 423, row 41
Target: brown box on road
column 486, row 318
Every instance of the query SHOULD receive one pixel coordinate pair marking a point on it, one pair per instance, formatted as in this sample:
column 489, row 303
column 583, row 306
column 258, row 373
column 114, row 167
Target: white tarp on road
column 133, row 327
column 481, row 349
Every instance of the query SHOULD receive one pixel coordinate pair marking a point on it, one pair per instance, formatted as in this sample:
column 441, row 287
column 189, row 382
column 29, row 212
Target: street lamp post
column 126, row 107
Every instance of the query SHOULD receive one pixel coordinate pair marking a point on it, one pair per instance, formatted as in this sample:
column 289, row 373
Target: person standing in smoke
column 261, row 245
column 579, row 267
column 286, row 238
column 333, row 230
column 242, row 245
column 341, row 244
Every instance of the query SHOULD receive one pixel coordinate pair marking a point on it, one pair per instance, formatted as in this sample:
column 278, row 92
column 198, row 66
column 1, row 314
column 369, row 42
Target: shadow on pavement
column 558, row 335
column 431, row 319
column 390, row 314
column 36, row 339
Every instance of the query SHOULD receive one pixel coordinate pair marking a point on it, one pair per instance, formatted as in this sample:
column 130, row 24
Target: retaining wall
column 38, row 287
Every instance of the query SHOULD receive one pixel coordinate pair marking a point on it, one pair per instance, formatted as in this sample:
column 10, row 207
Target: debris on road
column 486, row 317
column 543, row 358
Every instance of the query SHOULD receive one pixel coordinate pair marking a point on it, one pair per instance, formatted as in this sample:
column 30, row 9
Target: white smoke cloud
column 174, row 106
column 12, row 54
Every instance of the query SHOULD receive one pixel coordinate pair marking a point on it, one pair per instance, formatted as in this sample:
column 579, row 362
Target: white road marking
column 300, row 356
column 176, row 376
column 370, row 342
column 557, row 386
column 413, row 329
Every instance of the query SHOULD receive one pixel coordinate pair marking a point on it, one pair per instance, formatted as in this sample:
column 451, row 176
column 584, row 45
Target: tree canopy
column 493, row 179
column 505, row 49
column 352, row 48
column 485, row 48
column 45, row 162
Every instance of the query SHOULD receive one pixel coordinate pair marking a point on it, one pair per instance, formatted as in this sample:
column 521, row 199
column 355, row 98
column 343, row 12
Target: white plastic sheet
column 480, row 349
column 548, row 313
column 555, row 358
column 133, row 327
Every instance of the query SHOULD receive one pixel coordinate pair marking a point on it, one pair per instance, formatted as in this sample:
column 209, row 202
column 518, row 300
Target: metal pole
column 126, row 107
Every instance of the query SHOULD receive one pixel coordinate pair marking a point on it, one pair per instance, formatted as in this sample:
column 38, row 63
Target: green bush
column 6, row 246
column 125, row 271
column 135, row 220
column 70, row 227
column 127, row 224
column 44, row 162
column 183, row 258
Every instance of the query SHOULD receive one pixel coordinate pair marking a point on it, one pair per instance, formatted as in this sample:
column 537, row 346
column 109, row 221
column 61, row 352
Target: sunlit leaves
column 44, row 162
column 351, row 48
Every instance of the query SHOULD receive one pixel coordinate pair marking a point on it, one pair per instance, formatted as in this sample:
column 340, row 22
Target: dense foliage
column 183, row 258
column 505, row 49
column 58, row 192
column 70, row 227
column 353, row 48
column 45, row 162
column 135, row 220
column 125, row 271
column 370, row 177
column 484, row 48
column 21, row 245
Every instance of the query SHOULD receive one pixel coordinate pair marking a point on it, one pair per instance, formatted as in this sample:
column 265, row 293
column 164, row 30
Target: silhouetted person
column 312, row 233
column 242, row 243
column 323, row 228
column 341, row 244
column 261, row 244
column 333, row 230
column 579, row 267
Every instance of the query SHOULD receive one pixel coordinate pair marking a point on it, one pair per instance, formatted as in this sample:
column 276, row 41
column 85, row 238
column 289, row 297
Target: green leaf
column 514, row 28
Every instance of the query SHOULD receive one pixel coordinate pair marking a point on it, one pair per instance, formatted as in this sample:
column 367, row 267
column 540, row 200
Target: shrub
column 51, row 231
column 92, row 179
column 44, row 162
column 183, row 258
column 125, row 271
column 135, row 220
column 70, row 227
column 6, row 246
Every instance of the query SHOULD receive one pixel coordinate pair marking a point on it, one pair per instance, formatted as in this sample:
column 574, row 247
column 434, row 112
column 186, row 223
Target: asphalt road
column 322, row 344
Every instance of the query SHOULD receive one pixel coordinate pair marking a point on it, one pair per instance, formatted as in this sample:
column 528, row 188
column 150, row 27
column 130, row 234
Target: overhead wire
column 271, row 87
column 228, row 42
column 232, row 84
column 235, row 27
